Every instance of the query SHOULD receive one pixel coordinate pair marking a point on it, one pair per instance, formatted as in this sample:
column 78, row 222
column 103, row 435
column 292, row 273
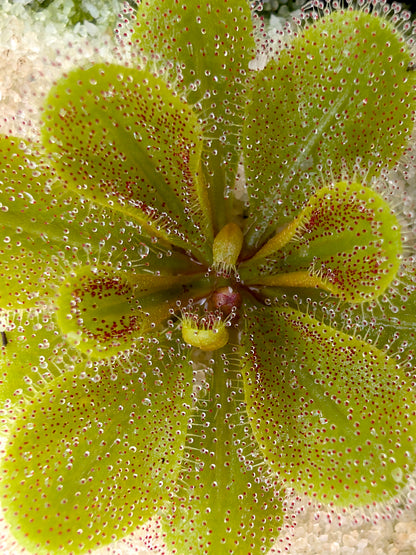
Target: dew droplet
column 397, row 474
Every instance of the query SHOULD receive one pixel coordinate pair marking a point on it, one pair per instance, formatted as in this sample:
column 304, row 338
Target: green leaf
column 205, row 48
column 103, row 312
column 34, row 355
column 47, row 230
column 34, row 221
column 389, row 322
column 227, row 501
column 337, row 100
column 124, row 140
column 346, row 240
column 333, row 415
column 97, row 453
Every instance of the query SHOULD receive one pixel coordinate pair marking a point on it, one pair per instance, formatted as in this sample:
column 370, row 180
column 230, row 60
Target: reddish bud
column 226, row 299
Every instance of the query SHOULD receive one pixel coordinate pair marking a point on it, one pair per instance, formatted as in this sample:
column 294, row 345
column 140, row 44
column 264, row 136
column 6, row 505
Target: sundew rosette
column 180, row 358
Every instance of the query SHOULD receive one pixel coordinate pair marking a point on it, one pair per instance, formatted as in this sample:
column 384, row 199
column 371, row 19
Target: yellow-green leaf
column 346, row 240
column 123, row 139
column 337, row 101
column 334, row 416
column 227, row 500
column 97, row 453
column 204, row 48
column 103, row 312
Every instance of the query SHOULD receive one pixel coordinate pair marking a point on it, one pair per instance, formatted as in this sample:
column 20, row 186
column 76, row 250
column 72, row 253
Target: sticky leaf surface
column 103, row 312
column 333, row 415
column 346, row 240
column 339, row 98
column 83, row 465
column 227, row 499
column 205, row 48
column 126, row 141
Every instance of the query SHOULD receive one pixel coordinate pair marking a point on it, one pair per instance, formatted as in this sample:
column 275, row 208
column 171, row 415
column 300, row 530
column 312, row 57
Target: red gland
column 226, row 299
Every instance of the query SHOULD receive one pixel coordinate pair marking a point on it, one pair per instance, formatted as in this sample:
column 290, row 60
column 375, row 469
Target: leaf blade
column 123, row 139
column 104, row 312
column 40, row 219
column 205, row 49
column 315, row 116
column 327, row 411
column 86, row 459
column 346, row 240
column 226, row 498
